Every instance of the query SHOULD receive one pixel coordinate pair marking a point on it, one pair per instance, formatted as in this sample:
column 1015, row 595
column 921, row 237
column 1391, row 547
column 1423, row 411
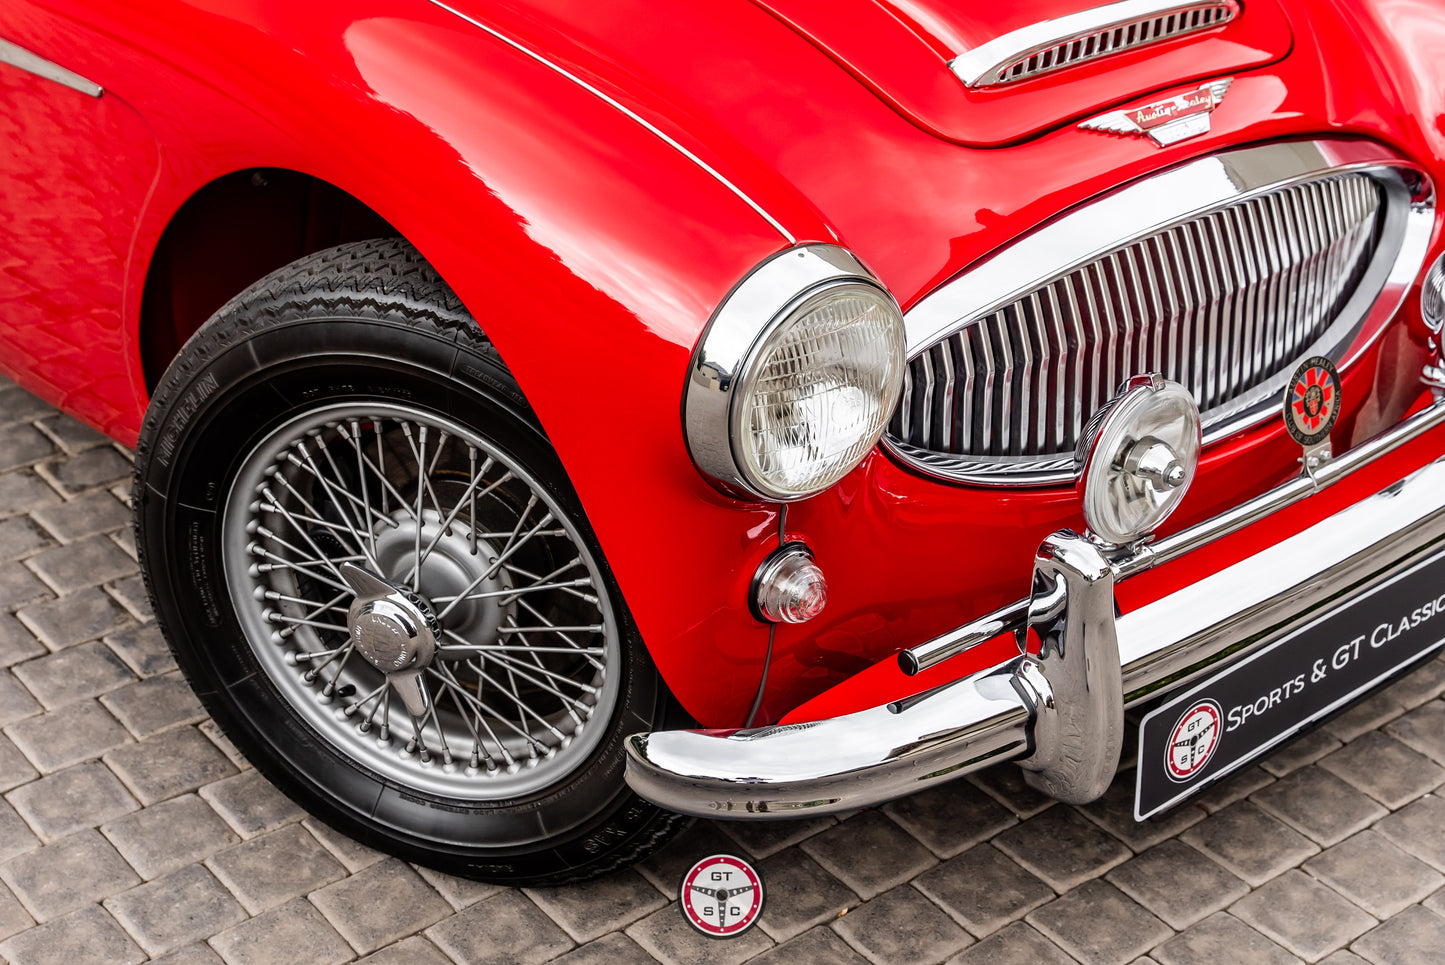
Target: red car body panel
column 593, row 251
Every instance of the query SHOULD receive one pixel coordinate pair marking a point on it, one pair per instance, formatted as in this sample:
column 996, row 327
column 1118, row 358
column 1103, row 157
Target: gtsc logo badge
column 1193, row 741
column 721, row 896
column 1312, row 401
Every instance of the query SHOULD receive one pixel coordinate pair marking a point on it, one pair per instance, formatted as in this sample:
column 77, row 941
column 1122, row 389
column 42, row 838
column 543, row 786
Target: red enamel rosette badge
column 1312, row 401
column 721, row 896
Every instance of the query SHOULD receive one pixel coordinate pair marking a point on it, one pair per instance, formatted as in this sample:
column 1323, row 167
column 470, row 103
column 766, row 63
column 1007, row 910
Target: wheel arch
column 228, row 235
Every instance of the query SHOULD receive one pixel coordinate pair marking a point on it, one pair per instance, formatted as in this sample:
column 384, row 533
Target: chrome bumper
column 1061, row 714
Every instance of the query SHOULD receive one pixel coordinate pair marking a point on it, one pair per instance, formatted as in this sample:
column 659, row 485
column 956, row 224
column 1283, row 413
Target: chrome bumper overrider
column 1061, row 714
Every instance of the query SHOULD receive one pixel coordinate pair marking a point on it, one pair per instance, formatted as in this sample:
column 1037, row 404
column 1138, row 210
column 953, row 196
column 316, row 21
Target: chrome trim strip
column 1092, row 231
column 1086, row 36
column 17, row 56
column 613, row 102
column 864, row 758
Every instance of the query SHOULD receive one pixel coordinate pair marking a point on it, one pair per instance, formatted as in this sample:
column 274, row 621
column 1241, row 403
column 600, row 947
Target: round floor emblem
column 721, row 896
column 1312, row 401
column 1193, row 741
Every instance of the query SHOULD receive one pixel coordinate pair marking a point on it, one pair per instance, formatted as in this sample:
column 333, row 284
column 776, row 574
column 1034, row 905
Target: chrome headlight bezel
column 1432, row 296
column 727, row 355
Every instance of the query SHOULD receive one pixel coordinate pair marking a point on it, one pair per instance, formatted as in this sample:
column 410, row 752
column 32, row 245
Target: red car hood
column 900, row 50
column 843, row 121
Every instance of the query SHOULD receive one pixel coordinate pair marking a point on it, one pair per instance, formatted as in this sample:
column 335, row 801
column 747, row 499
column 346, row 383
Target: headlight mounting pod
column 795, row 377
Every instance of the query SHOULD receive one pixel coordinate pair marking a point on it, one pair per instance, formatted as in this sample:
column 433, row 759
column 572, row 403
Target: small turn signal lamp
column 1139, row 454
column 788, row 586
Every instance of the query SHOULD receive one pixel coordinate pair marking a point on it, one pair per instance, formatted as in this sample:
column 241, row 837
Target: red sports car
column 556, row 418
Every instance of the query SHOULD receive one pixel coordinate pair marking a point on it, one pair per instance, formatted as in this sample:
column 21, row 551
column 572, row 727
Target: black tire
column 371, row 324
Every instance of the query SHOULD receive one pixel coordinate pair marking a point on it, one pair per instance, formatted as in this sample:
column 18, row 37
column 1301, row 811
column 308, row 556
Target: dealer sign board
column 1230, row 719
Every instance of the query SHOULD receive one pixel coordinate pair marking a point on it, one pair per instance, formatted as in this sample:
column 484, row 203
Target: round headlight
column 1432, row 297
column 796, row 377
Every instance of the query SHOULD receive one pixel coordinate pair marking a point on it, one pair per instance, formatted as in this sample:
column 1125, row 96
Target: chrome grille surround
column 1202, row 273
column 1052, row 45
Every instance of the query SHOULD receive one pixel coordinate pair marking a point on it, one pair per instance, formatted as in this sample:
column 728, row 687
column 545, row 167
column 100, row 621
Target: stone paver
column 1153, row 880
column 170, row 834
column 66, row 875
column 1098, row 924
column 1375, row 874
column 870, row 853
column 1062, row 847
column 1302, row 915
column 983, row 889
column 350, row 905
column 83, row 796
column 1317, row 804
column 1384, row 768
column 294, row 933
column 274, row 868
column 85, row 671
column 88, row 935
column 1221, row 938
column 131, row 827
column 1250, row 843
column 902, row 926
column 1017, row 944
column 78, row 565
column 504, row 928
column 74, row 618
column 143, row 649
column 149, row 706
column 1413, row 937
column 169, row 912
column 170, row 763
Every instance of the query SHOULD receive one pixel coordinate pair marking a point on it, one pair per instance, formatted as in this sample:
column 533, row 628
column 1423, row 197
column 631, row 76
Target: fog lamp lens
column 1432, row 298
column 818, row 391
column 1139, row 455
column 789, row 587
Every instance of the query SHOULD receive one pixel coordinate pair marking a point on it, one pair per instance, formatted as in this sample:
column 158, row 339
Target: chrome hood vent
column 1089, row 35
column 1221, row 275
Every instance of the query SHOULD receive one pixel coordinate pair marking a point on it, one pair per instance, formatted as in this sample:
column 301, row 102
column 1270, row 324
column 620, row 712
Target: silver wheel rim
column 528, row 660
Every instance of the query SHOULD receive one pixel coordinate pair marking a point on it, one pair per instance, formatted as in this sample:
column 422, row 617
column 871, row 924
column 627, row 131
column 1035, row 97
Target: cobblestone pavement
column 130, row 829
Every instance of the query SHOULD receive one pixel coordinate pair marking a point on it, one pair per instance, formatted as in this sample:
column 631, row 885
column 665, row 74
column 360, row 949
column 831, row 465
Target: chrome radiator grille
column 1223, row 303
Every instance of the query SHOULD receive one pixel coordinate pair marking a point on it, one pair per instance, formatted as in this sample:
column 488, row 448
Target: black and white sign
column 1230, row 719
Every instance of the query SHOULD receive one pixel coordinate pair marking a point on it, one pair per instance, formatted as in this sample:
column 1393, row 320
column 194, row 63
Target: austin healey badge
column 1312, row 401
column 1167, row 121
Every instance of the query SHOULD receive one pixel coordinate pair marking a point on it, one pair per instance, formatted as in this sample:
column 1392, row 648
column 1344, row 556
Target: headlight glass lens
column 1432, row 299
column 818, row 391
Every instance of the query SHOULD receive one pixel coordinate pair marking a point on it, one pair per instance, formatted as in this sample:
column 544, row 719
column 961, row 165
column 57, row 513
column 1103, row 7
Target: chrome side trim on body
column 614, row 103
column 1279, row 251
column 1056, row 712
column 17, row 56
column 1050, row 45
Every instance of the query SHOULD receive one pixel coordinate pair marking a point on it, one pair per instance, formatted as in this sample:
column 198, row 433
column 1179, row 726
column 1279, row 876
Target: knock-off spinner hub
column 391, row 635
column 394, row 630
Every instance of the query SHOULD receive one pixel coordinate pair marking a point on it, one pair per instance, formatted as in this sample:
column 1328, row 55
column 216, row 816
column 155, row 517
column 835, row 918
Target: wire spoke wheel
column 372, row 567
column 520, row 682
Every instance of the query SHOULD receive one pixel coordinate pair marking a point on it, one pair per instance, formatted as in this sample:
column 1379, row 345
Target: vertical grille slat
column 1222, row 303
